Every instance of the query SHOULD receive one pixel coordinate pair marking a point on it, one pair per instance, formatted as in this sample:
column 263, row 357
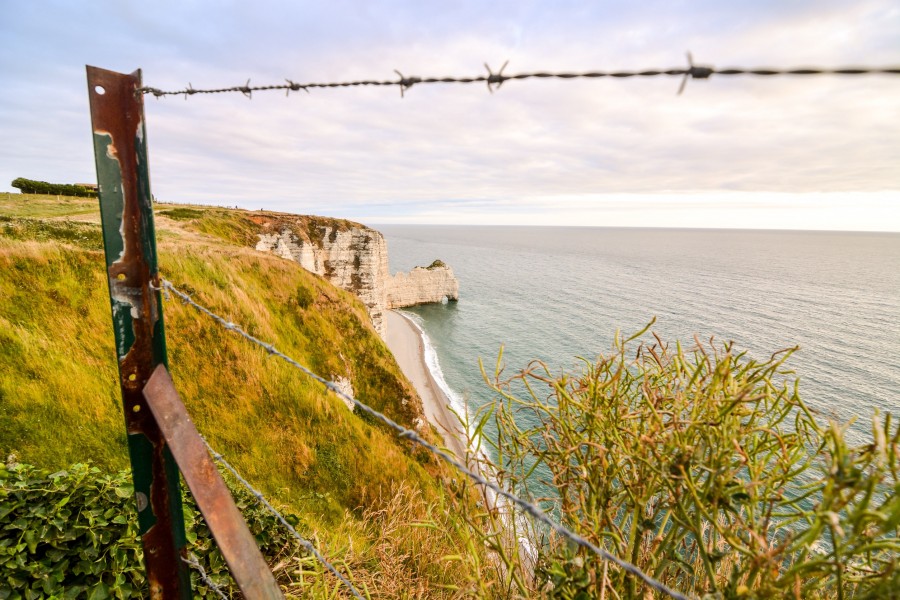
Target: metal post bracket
column 225, row 521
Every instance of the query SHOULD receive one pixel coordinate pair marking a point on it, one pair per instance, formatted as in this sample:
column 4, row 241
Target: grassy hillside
column 703, row 467
column 59, row 397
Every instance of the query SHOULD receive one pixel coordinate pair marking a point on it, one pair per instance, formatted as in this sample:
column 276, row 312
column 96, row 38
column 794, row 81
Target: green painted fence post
column 120, row 153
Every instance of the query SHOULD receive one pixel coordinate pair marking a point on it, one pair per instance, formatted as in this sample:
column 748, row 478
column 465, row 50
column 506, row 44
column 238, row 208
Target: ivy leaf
column 125, row 491
column 100, row 592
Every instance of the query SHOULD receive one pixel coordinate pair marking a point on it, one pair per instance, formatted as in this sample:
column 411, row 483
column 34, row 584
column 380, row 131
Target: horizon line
column 655, row 227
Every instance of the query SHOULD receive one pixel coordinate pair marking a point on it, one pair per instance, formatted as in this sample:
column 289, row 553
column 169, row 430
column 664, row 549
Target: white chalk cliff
column 355, row 258
column 422, row 285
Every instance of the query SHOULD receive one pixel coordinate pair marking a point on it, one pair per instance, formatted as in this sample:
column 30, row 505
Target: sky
column 787, row 153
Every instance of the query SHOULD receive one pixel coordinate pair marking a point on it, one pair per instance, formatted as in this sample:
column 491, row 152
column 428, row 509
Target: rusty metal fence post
column 120, row 153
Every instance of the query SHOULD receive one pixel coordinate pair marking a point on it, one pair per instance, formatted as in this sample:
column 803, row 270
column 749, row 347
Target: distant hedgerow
column 29, row 186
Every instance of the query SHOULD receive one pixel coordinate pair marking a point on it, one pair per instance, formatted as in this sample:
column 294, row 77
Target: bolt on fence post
column 129, row 239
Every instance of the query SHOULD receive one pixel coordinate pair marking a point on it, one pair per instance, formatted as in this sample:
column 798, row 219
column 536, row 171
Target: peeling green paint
column 129, row 238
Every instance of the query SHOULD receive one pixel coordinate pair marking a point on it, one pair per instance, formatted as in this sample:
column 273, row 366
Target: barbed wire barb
column 294, row 87
column 495, row 79
column 406, row 82
column 529, row 508
column 193, row 562
column 693, row 72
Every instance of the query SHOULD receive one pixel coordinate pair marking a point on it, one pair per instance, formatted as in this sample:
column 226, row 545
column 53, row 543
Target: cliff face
column 350, row 256
column 422, row 285
column 355, row 258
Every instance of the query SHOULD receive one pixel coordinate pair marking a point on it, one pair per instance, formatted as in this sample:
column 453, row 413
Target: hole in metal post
column 100, row 89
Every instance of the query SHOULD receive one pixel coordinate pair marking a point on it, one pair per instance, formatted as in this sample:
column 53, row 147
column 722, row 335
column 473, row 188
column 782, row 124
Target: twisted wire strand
column 532, row 510
column 495, row 80
column 192, row 561
column 258, row 495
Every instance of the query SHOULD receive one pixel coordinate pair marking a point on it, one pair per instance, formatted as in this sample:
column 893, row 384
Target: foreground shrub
column 74, row 534
column 704, row 468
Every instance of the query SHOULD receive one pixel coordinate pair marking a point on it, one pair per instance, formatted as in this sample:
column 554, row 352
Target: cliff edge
column 355, row 258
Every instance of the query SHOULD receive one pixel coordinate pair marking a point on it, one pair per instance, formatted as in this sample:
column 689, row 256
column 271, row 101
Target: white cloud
column 366, row 153
column 857, row 211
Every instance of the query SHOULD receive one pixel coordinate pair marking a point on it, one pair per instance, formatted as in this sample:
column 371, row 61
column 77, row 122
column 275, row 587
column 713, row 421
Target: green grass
column 83, row 235
column 288, row 417
column 46, row 206
column 231, row 226
column 240, row 227
column 181, row 213
column 55, row 292
column 59, row 395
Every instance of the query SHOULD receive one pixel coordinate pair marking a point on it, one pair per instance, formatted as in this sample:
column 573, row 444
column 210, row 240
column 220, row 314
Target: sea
column 559, row 293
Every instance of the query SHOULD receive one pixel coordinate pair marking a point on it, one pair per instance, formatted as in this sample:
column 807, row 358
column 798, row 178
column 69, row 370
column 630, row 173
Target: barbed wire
column 258, row 495
column 192, row 561
column 529, row 508
column 495, row 80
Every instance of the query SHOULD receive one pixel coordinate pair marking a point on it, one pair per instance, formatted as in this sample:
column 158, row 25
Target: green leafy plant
column 67, row 534
column 73, row 534
column 703, row 467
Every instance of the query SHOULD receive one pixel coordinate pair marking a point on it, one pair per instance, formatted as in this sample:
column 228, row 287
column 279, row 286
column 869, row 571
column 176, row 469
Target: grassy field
column 59, row 397
column 48, row 207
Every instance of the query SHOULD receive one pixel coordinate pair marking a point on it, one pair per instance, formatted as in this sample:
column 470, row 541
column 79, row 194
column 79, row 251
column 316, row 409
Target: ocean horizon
column 559, row 293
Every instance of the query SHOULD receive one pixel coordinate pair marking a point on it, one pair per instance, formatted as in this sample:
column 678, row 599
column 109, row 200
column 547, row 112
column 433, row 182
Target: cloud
column 441, row 145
